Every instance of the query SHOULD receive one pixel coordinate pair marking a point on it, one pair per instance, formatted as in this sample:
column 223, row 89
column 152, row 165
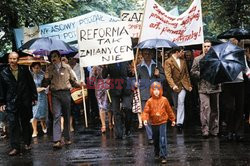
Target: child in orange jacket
column 158, row 110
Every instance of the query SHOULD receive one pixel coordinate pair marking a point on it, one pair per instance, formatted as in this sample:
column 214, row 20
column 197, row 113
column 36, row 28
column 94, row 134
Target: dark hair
column 175, row 49
column 55, row 51
column 34, row 64
column 207, row 41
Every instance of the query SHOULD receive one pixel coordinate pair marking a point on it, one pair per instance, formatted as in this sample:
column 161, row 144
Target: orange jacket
column 157, row 109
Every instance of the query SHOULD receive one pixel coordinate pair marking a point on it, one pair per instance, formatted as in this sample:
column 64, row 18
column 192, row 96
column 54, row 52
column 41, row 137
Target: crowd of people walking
column 172, row 90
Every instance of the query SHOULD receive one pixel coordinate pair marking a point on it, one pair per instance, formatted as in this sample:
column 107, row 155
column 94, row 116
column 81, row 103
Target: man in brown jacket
column 209, row 98
column 178, row 79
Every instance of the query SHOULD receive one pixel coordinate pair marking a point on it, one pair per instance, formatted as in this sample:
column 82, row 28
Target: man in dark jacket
column 17, row 95
column 120, row 91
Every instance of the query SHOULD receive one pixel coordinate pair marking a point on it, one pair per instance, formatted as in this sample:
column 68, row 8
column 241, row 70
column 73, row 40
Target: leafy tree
column 17, row 13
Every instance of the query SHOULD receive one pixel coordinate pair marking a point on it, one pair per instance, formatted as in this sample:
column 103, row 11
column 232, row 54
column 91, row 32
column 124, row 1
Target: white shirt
column 177, row 61
column 149, row 68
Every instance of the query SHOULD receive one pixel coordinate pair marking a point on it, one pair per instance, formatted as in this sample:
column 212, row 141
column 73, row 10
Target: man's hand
column 2, row 108
column 145, row 122
column 190, row 89
column 136, row 84
column 157, row 72
column 175, row 88
column 34, row 102
column 82, row 84
column 173, row 124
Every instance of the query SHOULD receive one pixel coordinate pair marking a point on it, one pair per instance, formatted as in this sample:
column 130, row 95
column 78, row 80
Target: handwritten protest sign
column 66, row 30
column 186, row 29
column 104, row 44
column 134, row 19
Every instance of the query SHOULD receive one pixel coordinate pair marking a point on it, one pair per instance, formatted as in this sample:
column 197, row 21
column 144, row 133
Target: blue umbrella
column 44, row 45
column 239, row 33
column 222, row 63
column 156, row 43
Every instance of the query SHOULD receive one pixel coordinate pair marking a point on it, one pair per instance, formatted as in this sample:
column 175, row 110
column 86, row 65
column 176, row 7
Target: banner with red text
column 186, row 29
column 105, row 43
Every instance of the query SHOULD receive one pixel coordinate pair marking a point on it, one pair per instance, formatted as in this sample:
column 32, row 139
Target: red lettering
column 119, row 81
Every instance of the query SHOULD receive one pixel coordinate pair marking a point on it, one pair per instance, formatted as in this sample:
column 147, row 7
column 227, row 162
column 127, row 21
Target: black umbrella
column 239, row 33
column 44, row 45
column 222, row 63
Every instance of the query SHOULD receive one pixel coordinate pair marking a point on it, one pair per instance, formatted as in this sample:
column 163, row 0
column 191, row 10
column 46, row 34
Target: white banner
column 186, row 29
column 66, row 30
column 135, row 20
column 104, row 44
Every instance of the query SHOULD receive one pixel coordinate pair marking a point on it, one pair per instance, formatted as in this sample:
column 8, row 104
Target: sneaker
column 163, row 160
column 45, row 131
column 57, row 145
column 34, row 135
column 151, row 142
column 68, row 142
column 27, row 147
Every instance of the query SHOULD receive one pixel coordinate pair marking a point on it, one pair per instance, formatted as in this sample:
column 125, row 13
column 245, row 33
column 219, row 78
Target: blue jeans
column 160, row 139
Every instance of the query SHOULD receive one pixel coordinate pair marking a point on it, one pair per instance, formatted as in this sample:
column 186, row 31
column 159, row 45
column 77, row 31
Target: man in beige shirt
column 61, row 79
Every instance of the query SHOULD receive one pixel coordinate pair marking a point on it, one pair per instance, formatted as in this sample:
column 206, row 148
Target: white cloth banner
column 104, row 44
column 186, row 29
column 66, row 30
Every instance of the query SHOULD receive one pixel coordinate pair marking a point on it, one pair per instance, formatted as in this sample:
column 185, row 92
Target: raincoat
column 157, row 109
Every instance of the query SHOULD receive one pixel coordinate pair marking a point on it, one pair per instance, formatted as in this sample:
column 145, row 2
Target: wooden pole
column 83, row 96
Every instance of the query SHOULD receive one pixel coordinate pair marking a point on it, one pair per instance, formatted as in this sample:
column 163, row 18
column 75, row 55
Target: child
column 157, row 110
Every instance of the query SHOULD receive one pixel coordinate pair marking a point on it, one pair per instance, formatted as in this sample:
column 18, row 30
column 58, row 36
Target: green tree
column 17, row 13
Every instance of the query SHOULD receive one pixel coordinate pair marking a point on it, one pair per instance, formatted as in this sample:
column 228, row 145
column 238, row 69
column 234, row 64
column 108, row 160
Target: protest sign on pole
column 104, row 44
column 135, row 17
column 66, row 30
column 186, row 29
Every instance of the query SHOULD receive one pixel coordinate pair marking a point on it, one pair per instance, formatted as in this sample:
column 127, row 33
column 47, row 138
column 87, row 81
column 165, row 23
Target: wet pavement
column 90, row 147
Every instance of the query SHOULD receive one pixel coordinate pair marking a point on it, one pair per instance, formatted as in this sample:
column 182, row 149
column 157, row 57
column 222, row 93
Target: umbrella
column 44, row 45
column 239, row 33
column 156, row 43
column 28, row 60
column 222, row 63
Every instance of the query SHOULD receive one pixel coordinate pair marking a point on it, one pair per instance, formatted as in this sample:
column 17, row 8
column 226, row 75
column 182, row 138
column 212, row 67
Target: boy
column 157, row 110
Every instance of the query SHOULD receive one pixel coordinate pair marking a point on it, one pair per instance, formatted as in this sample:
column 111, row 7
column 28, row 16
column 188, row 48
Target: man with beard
column 17, row 95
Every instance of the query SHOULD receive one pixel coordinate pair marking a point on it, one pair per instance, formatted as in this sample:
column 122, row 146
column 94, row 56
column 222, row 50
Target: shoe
column 13, row 152
column 179, row 127
column 34, row 135
column 27, row 147
column 111, row 126
column 229, row 136
column 157, row 157
column 103, row 129
column 128, row 133
column 163, row 160
column 205, row 136
column 57, row 145
column 68, row 142
column 151, row 142
column 45, row 131
column 237, row 138
column 140, row 126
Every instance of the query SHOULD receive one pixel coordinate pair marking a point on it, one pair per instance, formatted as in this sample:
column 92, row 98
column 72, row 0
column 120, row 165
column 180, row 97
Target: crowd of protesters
column 34, row 95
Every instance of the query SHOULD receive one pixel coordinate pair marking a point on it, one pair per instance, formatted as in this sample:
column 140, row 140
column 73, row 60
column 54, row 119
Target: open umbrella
column 222, row 63
column 239, row 33
column 156, row 43
column 44, row 45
